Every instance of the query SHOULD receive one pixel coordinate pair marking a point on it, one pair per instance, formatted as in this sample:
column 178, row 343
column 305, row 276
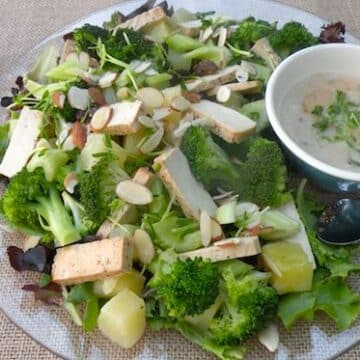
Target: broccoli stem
column 52, row 210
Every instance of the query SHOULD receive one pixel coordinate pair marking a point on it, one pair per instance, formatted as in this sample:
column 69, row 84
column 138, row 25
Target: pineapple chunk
column 290, row 267
column 108, row 288
column 122, row 319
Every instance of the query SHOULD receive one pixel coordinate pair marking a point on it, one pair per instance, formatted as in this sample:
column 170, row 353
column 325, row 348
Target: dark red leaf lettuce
column 50, row 294
column 38, row 259
column 333, row 33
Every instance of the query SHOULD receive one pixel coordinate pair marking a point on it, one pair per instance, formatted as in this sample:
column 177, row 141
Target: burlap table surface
column 25, row 22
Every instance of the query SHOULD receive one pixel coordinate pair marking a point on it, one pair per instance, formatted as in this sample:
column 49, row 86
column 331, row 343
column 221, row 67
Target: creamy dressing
column 297, row 119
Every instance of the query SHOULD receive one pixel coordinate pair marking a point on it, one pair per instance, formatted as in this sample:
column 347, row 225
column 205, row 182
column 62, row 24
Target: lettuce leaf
column 330, row 295
column 82, row 294
column 338, row 260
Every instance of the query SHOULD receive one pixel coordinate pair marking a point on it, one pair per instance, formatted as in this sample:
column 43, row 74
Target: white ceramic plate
column 52, row 327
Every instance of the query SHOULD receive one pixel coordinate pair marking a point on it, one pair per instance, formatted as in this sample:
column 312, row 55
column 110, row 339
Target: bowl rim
column 275, row 122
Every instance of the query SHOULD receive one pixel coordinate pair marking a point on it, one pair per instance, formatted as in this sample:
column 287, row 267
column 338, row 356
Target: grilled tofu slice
column 232, row 248
column 91, row 261
column 175, row 172
column 22, row 143
column 149, row 17
column 124, row 119
column 227, row 123
column 210, row 81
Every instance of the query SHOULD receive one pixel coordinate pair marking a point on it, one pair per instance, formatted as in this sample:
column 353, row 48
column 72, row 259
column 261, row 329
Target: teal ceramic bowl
column 340, row 59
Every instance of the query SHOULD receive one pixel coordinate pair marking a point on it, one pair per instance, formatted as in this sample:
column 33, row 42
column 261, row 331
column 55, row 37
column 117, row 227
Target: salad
column 143, row 174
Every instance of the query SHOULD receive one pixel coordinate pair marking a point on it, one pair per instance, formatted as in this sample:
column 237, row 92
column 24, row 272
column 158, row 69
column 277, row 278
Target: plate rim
column 67, row 27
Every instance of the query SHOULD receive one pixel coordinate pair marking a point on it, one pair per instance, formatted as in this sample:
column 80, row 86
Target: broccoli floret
column 249, row 31
column 189, row 287
column 208, row 161
column 248, row 307
column 127, row 45
column 124, row 45
column 97, row 187
column 80, row 219
column 263, row 175
column 33, row 205
column 293, row 36
column 87, row 36
column 245, row 305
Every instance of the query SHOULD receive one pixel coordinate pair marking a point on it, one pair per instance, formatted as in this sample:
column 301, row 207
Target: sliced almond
column 193, row 97
column 205, row 35
column 223, row 94
column 222, row 36
column 134, row 193
column 79, row 135
column 91, row 79
column 143, row 66
column 248, row 87
column 70, row 182
column 101, row 118
column 107, row 79
column 144, row 246
column 248, row 67
column 93, row 63
column 205, row 228
column 180, row 104
column 78, row 98
column 241, row 75
column 58, row 98
column 84, row 58
column 152, row 142
column 68, row 144
column 122, row 93
column 151, row 97
column 147, row 121
column 151, row 72
column 73, row 56
column 216, row 231
column 160, row 114
column 30, row 242
column 97, row 96
column 270, row 337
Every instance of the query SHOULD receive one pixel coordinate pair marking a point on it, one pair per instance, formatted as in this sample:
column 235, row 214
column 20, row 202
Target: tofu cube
column 147, row 18
column 22, row 143
column 124, row 119
column 177, row 177
column 91, row 261
column 227, row 249
column 227, row 123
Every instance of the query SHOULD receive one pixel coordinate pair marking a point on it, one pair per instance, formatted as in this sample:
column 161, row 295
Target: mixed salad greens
column 140, row 171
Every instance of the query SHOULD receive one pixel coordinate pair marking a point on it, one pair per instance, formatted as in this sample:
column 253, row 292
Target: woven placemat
column 26, row 22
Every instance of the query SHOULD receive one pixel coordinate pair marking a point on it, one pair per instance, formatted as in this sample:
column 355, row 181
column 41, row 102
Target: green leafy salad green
column 144, row 177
